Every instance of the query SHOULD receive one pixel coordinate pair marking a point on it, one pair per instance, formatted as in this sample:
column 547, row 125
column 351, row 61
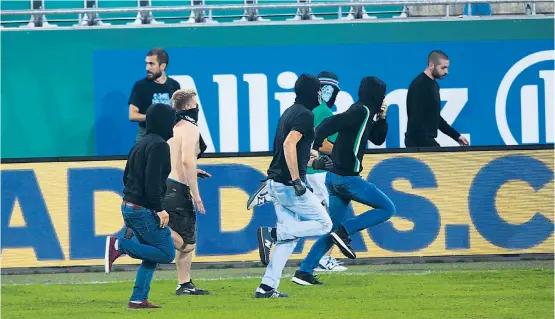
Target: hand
column 463, row 141
column 324, row 162
column 383, row 110
column 203, row 174
column 300, row 189
column 200, row 206
column 313, row 154
column 164, row 218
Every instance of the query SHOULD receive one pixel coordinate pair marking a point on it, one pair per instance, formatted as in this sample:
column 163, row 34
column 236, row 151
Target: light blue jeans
column 297, row 217
column 343, row 189
column 152, row 245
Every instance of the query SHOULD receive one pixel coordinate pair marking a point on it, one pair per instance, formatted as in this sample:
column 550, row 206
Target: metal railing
column 303, row 10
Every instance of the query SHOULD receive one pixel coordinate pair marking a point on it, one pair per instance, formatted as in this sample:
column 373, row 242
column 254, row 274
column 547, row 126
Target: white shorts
column 318, row 183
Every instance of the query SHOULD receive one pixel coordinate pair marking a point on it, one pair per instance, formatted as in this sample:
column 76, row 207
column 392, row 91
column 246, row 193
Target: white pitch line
column 96, row 282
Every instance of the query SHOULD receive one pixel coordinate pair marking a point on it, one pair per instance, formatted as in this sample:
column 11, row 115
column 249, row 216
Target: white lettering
column 455, row 101
column 229, row 117
column 286, row 81
column 548, row 77
column 258, row 111
column 529, row 114
column 399, row 98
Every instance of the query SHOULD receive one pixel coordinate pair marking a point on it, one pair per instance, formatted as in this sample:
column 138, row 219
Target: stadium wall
column 64, row 92
column 449, row 203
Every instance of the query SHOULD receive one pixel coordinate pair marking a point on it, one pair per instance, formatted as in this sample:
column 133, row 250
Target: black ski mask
column 307, row 89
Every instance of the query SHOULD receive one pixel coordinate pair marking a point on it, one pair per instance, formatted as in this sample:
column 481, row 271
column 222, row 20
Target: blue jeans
column 153, row 245
column 297, row 217
column 343, row 189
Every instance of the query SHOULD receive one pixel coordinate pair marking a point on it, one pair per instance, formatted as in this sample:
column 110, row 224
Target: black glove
column 300, row 189
column 323, row 162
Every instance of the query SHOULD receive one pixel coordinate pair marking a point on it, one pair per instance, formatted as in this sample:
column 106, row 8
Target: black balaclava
column 183, row 114
column 330, row 87
column 191, row 115
column 307, row 89
column 372, row 93
column 160, row 119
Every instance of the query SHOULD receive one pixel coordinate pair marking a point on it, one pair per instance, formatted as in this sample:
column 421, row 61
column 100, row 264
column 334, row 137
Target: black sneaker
column 265, row 243
column 260, row 293
column 343, row 241
column 305, row 279
column 190, row 289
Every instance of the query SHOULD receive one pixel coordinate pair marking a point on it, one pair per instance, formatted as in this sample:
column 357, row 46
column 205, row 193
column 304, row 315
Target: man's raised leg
column 337, row 210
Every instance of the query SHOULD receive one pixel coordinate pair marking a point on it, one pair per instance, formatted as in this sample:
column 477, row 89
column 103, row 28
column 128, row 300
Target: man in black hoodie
column 144, row 179
column 355, row 127
column 287, row 186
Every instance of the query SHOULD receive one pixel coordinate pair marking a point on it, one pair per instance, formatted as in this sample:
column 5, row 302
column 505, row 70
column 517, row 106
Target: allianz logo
column 455, row 100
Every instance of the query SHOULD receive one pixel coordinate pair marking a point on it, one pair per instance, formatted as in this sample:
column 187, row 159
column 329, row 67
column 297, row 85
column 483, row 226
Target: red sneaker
column 143, row 305
column 111, row 253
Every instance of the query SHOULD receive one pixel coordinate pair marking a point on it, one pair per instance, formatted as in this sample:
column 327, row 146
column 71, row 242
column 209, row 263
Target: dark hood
column 160, row 119
column 307, row 88
column 371, row 93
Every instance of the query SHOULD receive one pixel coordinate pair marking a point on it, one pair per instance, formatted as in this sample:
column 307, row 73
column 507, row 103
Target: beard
column 436, row 74
column 154, row 76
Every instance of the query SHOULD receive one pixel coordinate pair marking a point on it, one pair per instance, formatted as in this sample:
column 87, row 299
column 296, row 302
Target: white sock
column 116, row 246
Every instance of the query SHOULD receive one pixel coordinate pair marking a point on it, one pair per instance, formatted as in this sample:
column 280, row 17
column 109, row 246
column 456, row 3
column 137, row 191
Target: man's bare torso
column 179, row 170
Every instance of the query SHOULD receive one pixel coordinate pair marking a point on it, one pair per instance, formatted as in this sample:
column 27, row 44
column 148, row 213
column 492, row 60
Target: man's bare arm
column 327, row 147
column 134, row 115
column 290, row 151
column 189, row 139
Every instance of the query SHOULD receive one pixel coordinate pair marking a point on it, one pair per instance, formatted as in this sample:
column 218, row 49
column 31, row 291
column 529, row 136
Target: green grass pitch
column 451, row 290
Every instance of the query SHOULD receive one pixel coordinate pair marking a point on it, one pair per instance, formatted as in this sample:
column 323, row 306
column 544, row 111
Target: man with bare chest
column 186, row 146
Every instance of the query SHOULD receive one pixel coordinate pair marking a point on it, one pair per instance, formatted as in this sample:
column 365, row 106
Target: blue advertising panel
column 496, row 93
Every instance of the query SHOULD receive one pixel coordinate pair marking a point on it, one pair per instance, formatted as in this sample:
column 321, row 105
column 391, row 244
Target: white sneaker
column 328, row 263
column 260, row 197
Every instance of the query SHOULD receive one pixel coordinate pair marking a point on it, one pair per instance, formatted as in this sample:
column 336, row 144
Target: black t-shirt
column 147, row 92
column 295, row 118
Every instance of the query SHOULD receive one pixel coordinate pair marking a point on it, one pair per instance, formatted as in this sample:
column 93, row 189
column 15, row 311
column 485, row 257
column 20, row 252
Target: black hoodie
column 298, row 117
column 355, row 127
column 148, row 164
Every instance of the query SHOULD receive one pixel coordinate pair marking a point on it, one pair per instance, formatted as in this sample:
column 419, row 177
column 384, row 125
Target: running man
column 355, row 127
column 329, row 84
column 185, row 149
column 144, row 180
column 287, row 185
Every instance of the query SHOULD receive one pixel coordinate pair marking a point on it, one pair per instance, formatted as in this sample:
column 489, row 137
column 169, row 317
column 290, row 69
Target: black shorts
column 179, row 205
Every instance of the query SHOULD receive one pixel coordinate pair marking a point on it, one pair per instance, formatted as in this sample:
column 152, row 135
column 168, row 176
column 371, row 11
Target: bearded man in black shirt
column 424, row 106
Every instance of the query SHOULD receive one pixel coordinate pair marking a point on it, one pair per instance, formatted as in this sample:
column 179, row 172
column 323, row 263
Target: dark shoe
column 265, row 244
column 190, row 289
column 343, row 241
column 305, row 279
column 111, row 253
column 260, row 293
column 143, row 305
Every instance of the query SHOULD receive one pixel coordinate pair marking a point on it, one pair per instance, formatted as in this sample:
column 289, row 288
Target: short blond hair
column 182, row 98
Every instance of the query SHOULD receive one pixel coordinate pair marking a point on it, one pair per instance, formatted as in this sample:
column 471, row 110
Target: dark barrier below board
column 450, row 202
